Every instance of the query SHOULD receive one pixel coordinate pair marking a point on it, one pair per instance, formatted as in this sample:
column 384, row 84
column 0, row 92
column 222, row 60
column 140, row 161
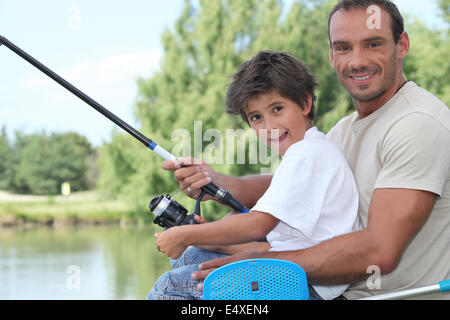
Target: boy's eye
column 254, row 117
column 277, row 109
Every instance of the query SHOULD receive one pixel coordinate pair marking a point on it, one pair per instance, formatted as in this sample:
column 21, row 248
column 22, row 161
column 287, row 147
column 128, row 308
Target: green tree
column 6, row 160
column 207, row 43
column 201, row 52
column 444, row 5
column 427, row 62
column 46, row 161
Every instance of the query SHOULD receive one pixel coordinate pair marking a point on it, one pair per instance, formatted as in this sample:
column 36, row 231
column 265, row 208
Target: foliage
column 444, row 5
column 6, row 160
column 427, row 63
column 202, row 51
column 39, row 163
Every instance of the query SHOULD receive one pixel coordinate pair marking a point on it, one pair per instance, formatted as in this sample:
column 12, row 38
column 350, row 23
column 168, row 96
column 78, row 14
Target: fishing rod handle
column 160, row 151
column 225, row 197
column 212, row 189
column 444, row 286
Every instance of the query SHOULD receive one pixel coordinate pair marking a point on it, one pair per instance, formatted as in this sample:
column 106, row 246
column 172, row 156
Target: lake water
column 79, row 263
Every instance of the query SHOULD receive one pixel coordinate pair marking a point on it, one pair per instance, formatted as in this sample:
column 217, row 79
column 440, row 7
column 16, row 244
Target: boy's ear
column 308, row 105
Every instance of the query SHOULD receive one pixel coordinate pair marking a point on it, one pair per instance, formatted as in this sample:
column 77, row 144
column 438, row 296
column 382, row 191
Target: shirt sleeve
column 295, row 196
column 415, row 154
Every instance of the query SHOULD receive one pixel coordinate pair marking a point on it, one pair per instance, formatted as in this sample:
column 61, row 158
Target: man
column 397, row 144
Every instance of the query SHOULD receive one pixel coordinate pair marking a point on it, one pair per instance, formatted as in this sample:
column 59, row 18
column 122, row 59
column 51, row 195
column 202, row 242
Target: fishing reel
column 170, row 213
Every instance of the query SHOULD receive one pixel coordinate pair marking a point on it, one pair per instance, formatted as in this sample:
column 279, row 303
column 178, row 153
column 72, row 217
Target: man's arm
column 236, row 229
column 230, row 249
column 395, row 216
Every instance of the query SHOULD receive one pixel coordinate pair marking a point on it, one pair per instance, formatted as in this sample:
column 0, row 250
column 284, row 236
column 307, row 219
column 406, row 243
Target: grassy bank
column 77, row 208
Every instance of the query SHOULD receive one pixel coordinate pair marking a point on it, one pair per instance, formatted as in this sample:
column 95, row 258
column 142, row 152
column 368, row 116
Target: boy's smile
column 278, row 121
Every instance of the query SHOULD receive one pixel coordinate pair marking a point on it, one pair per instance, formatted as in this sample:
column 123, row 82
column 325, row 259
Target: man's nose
column 358, row 59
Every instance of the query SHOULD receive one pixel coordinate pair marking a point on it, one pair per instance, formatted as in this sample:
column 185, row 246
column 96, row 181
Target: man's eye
column 343, row 48
column 373, row 45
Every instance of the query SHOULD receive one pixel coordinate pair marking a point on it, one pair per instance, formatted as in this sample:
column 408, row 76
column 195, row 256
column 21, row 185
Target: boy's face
column 278, row 121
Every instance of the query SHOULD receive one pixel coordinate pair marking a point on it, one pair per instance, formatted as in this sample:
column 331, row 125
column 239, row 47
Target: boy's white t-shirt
column 314, row 195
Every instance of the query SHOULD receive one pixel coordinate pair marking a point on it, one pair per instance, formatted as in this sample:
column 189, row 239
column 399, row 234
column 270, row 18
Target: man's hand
column 207, row 267
column 191, row 174
column 195, row 174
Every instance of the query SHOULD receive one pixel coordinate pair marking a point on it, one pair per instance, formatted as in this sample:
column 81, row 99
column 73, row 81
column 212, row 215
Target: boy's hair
column 268, row 71
column 397, row 25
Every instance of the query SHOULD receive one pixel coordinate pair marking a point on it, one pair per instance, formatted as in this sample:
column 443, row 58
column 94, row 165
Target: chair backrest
column 257, row 279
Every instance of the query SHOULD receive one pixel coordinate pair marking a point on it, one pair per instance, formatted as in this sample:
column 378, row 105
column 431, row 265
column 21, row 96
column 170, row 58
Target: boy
column 312, row 196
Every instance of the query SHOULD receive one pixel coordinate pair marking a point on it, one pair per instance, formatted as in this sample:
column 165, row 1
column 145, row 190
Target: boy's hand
column 200, row 219
column 171, row 242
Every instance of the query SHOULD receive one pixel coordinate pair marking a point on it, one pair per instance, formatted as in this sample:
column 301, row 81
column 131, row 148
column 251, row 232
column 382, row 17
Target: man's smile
column 362, row 79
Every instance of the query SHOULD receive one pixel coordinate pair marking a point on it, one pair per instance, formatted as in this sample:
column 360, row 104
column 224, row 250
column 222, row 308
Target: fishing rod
column 212, row 189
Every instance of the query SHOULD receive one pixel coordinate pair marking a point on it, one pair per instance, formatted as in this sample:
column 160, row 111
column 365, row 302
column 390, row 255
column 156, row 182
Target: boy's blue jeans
column 177, row 284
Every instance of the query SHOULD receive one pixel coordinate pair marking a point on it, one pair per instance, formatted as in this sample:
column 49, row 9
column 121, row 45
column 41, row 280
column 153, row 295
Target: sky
column 99, row 46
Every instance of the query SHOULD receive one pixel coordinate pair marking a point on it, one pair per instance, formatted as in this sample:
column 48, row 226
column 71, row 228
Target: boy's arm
column 194, row 173
column 239, row 228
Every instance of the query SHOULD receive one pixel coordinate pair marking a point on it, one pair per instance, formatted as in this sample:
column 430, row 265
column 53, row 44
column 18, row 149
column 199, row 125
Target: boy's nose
column 269, row 124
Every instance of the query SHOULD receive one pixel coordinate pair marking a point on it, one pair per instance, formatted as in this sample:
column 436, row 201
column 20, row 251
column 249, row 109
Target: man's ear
column 403, row 45
column 331, row 55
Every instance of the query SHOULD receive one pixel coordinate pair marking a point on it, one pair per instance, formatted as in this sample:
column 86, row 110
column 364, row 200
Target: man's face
column 365, row 57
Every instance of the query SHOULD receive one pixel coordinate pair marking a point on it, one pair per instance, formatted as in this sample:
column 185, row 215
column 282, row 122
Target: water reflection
column 113, row 263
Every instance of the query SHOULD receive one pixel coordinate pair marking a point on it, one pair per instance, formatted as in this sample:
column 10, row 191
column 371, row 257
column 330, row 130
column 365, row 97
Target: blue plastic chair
column 257, row 279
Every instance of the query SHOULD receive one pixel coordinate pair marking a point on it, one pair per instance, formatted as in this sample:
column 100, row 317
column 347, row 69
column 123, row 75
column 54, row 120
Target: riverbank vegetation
column 81, row 208
column 39, row 163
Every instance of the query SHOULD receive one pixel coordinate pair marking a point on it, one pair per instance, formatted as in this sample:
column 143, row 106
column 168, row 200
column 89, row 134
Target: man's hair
column 270, row 71
column 396, row 18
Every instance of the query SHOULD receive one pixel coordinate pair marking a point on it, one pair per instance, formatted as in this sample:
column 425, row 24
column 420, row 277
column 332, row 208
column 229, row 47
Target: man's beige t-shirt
column 404, row 144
